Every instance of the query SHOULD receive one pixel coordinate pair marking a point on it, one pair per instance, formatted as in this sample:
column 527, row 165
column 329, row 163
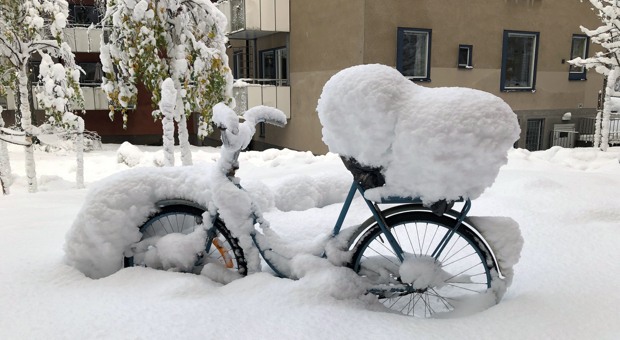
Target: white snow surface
column 565, row 284
column 375, row 115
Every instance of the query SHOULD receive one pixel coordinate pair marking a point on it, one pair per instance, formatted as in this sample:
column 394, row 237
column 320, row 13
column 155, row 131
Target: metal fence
column 587, row 129
column 565, row 139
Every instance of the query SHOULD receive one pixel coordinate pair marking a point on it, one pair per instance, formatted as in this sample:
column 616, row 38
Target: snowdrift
column 432, row 143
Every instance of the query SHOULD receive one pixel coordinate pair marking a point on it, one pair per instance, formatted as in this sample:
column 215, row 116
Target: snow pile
column 585, row 159
column 433, row 143
column 174, row 251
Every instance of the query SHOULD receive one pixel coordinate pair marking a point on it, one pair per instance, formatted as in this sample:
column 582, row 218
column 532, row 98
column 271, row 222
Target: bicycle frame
column 381, row 221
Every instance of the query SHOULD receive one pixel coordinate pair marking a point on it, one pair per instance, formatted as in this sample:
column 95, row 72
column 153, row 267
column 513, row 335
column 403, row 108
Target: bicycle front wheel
column 177, row 220
column 425, row 285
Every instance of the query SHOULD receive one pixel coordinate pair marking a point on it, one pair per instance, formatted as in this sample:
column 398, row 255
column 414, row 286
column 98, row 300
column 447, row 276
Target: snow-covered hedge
column 433, row 143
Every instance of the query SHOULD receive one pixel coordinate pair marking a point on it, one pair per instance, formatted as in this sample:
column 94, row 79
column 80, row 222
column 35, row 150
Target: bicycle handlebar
column 236, row 136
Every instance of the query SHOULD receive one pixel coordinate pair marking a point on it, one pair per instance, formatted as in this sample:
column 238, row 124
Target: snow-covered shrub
column 129, row 154
column 433, row 143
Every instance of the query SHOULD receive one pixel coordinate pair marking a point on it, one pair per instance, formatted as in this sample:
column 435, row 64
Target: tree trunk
column 79, row 150
column 609, row 91
column 5, row 168
column 167, row 107
column 186, row 154
column 31, row 173
column 5, row 164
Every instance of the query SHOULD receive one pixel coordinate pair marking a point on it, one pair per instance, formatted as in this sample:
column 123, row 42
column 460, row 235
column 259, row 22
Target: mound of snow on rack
column 433, row 143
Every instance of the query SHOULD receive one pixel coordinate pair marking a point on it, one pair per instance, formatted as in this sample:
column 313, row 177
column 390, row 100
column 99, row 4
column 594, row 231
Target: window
column 34, row 71
column 534, row 134
column 237, row 64
column 579, row 49
column 81, row 15
column 465, row 55
column 413, row 53
column 519, row 58
column 273, row 65
column 92, row 74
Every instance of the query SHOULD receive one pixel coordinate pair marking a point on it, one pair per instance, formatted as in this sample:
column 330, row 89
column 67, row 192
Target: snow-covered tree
column 605, row 62
column 35, row 27
column 149, row 41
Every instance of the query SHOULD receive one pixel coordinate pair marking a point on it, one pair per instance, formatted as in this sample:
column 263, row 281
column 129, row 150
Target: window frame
column 400, row 52
column 97, row 74
column 533, row 71
column 284, row 76
column 535, row 137
column 469, row 64
column 578, row 75
column 237, row 58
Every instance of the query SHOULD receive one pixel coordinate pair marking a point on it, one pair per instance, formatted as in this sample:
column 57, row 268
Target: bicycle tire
column 221, row 245
column 464, row 269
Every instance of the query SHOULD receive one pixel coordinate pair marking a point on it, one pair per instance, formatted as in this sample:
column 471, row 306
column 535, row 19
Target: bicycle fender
column 179, row 201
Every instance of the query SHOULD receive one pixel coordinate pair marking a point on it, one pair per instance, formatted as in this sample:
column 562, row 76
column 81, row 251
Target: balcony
column 94, row 99
column 248, row 95
column 83, row 39
column 251, row 19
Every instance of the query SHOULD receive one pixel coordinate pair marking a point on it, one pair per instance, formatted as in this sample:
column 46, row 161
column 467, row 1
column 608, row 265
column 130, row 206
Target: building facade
column 283, row 51
column 515, row 49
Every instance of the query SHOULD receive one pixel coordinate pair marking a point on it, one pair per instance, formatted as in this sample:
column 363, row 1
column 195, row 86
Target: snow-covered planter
column 432, row 143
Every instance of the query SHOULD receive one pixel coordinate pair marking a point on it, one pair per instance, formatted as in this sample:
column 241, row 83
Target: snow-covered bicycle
column 419, row 256
column 418, row 260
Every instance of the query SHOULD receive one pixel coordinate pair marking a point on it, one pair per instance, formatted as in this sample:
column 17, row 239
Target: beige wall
column 326, row 36
column 329, row 35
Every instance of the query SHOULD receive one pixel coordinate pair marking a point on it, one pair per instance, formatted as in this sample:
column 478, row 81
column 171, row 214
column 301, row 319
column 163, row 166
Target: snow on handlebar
column 236, row 135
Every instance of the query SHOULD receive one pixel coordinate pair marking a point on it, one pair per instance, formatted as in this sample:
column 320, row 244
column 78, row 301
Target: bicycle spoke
column 431, row 243
column 446, row 257
column 457, row 260
column 455, row 275
column 409, row 238
column 463, row 261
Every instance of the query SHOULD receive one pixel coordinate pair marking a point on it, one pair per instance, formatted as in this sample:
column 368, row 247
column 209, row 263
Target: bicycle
column 418, row 260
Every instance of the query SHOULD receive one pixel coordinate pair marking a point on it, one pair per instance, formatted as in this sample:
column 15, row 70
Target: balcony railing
column 587, row 129
column 249, row 93
column 249, row 19
column 83, row 39
column 94, row 99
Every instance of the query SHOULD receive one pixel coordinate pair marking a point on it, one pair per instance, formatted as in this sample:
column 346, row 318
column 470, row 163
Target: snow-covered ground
column 565, row 285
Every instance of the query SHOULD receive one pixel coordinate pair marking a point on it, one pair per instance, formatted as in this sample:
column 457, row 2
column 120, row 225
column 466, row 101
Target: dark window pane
column 533, row 134
column 578, row 50
column 464, row 56
column 520, row 53
column 84, row 15
column 92, row 73
column 415, row 53
column 269, row 65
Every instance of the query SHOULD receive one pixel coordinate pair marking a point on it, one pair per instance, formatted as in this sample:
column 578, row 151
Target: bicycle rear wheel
column 219, row 247
column 458, row 281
